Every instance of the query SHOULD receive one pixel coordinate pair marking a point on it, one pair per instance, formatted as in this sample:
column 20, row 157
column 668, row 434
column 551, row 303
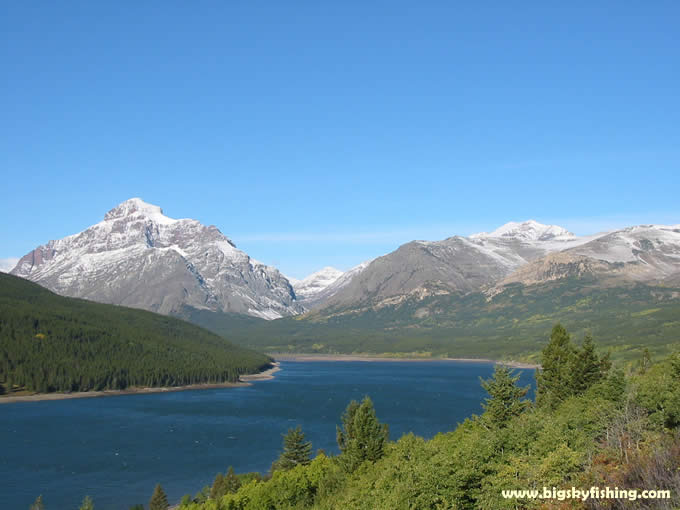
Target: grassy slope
column 49, row 342
column 511, row 325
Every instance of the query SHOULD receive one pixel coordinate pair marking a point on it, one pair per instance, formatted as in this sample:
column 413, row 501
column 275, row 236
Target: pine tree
column 296, row 450
column 218, row 489
column 88, row 504
column 587, row 367
column 362, row 437
column 38, row 504
column 646, row 360
column 231, row 481
column 159, row 501
column 505, row 397
column 554, row 380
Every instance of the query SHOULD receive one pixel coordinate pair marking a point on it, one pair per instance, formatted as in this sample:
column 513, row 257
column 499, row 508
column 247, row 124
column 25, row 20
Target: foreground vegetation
column 51, row 343
column 591, row 425
column 509, row 326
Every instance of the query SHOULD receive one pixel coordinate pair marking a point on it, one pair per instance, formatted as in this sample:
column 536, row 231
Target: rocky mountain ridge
column 141, row 258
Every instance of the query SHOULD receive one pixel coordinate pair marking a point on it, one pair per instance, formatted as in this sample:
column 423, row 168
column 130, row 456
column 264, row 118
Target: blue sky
column 319, row 133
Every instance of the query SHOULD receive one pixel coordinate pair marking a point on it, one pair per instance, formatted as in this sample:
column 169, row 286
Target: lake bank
column 244, row 380
column 368, row 357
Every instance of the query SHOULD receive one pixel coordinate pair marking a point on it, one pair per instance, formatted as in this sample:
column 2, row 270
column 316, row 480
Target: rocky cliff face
column 139, row 257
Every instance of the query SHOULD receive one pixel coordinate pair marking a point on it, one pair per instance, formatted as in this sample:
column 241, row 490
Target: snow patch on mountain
column 526, row 231
column 316, row 282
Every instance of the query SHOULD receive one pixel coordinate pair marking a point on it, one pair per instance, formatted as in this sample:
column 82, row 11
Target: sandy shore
column 263, row 376
column 244, row 380
column 360, row 357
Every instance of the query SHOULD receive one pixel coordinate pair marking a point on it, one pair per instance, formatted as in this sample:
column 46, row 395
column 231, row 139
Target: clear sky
column 327, row 133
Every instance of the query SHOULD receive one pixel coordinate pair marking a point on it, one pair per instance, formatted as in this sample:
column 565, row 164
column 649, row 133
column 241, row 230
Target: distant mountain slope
column 139, row 257
column 492, row 295
column 527, row 252
column 643, row 254
column 454, row 265
column 509, row 325
column 53, row 343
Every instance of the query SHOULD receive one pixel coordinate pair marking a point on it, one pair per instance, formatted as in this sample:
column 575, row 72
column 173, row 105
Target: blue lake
column 116, row 449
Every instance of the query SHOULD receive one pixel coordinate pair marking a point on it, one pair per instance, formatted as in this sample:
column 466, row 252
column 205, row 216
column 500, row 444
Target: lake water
column 116, row 449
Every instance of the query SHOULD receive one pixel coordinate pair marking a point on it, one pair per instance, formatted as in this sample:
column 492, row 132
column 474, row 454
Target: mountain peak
column 139, row 257
column 529, row 230
column 138, row 207
column 322, row 277
column 317, row 282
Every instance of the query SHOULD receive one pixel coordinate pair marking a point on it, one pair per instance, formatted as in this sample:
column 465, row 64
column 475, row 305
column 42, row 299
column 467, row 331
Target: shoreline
column 244, row 380
column 370, row 358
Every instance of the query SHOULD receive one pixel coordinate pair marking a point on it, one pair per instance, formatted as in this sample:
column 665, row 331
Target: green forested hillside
column 511, row 325
column 591, row 426
column 52, row 343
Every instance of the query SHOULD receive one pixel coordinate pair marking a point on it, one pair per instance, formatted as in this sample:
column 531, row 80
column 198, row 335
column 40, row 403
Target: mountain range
column 139, row 257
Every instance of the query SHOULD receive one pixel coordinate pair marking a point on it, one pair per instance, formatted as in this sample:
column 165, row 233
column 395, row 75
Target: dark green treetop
column 554, row 379
column 505, row 397
column 159, row 501
column 296, row 451
column 567, row 370
column 362, row 437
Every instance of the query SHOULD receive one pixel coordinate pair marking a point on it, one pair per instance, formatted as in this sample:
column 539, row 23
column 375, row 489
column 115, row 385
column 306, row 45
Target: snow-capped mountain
column 317, row 288
column 311, row 285
column 457, row 264
column 141, row 258
column 643, row 254
column 639, row 254
column 527, row 252
column 527, row 231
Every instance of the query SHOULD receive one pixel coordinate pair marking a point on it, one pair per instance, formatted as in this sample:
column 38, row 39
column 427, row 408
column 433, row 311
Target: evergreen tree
column 587, row 367
column 218, row 489
column 362, row 437
column 231, row 481
column 505, row 397
column 296, row 450
column 203, row 495
column 645, row 361
column 554, row 379
column 159, row 501
column 88, row 504
column 38, row 504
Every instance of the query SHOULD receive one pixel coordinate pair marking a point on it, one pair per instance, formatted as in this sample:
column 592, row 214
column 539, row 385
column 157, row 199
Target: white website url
column 585, row 494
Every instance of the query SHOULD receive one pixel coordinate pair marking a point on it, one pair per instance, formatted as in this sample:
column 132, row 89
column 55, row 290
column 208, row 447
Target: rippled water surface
column 116, row 449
